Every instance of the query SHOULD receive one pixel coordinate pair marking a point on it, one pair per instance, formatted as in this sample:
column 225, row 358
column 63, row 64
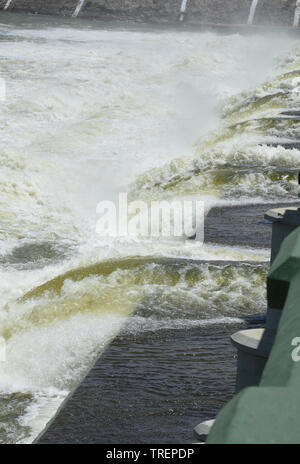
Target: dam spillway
column 267, row 12
column 88, row 107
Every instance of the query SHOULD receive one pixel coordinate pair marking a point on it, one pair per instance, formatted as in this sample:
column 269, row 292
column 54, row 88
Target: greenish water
column 92, row 110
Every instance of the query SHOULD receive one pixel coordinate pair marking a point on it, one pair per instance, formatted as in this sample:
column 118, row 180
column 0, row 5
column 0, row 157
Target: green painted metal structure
column 270, row 413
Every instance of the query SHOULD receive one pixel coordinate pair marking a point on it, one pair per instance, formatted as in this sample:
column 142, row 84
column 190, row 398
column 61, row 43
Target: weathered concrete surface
column 219, row 11
column 50, row 7
column 275, row 12
column 202, row 430
column 203, row 11
column 272, row 12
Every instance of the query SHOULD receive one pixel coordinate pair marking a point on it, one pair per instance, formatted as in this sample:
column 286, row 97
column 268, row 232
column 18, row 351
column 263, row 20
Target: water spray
column 7, row 4
column 182, row 10
column 78, row 8
column 252, row 11
column 297, row 14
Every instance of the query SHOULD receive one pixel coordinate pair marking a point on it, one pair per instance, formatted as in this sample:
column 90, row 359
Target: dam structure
column 269, row 413
column 228, row 12
column 114, row 340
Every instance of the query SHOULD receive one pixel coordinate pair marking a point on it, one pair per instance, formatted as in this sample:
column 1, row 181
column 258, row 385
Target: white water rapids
column 91, row 111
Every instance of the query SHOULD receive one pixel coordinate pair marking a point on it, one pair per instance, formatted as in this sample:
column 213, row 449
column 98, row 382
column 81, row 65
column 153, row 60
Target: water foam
column 87, row 112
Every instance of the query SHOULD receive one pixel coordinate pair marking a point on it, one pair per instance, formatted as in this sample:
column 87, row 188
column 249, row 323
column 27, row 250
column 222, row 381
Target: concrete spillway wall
column 50, row 7
column 273, row 12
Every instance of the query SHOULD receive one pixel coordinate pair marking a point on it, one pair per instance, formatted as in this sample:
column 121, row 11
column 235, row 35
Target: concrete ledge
column 202, row 430
column 248, row 340
column 226, row 12
column 250, row 359
column 290, row 215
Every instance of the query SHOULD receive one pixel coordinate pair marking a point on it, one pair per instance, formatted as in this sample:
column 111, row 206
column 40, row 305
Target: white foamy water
column 91, row 112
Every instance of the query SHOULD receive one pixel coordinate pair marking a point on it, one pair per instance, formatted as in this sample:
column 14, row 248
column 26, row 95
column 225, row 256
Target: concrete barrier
column 54, row 7
column 254, row 346
column 270, row 413
column 270, row 12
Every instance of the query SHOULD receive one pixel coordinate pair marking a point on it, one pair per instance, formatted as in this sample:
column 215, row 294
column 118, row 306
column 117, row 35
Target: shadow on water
column 151, row 387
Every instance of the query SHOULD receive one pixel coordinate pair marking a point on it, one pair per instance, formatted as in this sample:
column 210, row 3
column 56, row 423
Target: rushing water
column 92, row 110
column 252, row 11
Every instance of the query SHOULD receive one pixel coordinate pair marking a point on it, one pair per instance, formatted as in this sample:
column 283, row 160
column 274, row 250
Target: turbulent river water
column 92, row 110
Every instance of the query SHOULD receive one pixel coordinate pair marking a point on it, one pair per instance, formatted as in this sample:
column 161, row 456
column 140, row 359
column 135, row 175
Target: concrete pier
column 62, row 7
column 251, row 359
column 254, row 346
